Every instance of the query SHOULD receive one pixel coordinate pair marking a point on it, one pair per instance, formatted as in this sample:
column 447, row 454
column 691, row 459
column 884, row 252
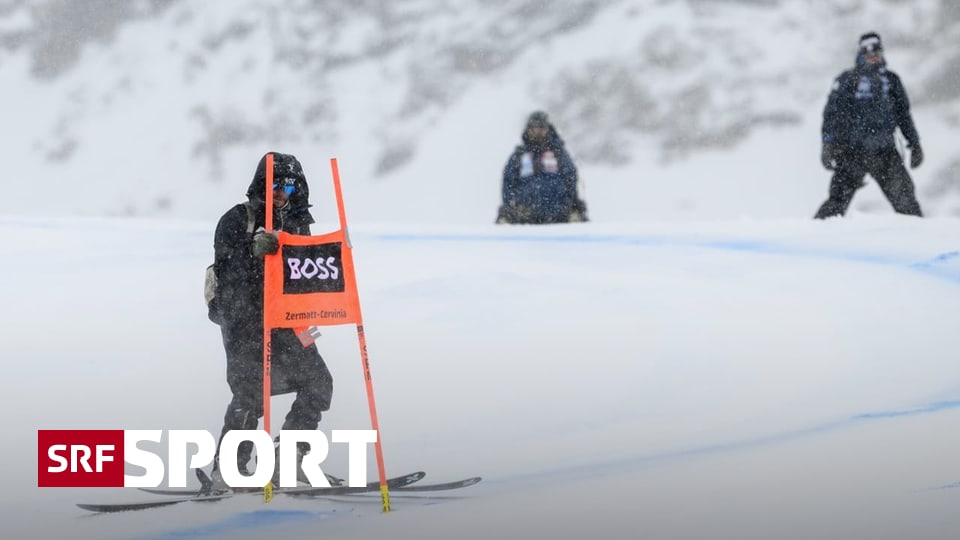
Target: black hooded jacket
column 239, row 273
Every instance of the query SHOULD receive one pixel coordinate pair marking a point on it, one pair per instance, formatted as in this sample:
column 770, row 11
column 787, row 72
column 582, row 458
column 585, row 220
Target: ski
column 206, row 483
column 392, row 483
column 456, row 484
column 143, row 505
column 406, row 488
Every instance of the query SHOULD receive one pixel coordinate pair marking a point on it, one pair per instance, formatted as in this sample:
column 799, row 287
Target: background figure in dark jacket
column 866, row 105
column 540, row 179
column 239, row 310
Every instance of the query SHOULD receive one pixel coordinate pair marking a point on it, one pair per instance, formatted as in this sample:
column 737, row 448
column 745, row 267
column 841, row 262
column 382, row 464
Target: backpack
column 210, row 278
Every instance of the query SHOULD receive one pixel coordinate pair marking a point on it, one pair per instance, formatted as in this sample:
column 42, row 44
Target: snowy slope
column 777, row 379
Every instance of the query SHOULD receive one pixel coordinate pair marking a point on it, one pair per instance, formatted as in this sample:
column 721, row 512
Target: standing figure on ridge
column 240, row 244
column 865, row 106
column 540, row 179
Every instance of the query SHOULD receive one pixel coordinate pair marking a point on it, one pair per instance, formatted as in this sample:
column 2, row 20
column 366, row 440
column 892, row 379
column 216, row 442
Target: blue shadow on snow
column 244, row 521
column 944, row 266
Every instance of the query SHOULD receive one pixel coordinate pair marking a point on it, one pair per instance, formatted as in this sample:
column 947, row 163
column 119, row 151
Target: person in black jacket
column 865, row 106
column 540, row 179
column 239, row 247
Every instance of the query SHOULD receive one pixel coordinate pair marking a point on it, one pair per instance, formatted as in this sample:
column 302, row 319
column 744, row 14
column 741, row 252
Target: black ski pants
column 886, row 167
column 294, row 368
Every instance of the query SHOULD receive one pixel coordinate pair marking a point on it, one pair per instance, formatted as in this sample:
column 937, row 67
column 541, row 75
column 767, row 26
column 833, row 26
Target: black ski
column 393, row 483
column 456, row 484
column 406, row 488
column 206, row 485
column 143, row 505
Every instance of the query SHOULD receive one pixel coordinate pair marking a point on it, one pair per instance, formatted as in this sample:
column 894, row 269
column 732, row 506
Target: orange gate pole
column 361, row 338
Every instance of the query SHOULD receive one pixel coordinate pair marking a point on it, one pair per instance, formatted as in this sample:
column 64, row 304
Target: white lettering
column 52, row 454
column 101, row 456
column 309, row 268
column 179, row 440
column 266, row 461
column 200, row 445
column 356, row 440
column 319, row 448
column 80, row 454
column 294, row 265
column 322, row 272
column 332, row 264
column 138, row 457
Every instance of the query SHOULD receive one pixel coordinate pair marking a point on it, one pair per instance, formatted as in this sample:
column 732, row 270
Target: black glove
column 828, row 156
column 264, row 243
column 916, row 156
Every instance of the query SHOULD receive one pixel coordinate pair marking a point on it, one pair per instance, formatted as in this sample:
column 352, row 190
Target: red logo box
column 80, row 458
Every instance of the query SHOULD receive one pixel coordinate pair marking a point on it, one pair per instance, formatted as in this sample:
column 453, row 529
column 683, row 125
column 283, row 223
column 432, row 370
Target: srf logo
column 97, row 458
column 88, row 458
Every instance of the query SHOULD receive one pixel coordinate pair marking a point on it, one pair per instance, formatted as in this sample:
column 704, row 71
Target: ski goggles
column 871, row 47
column 288, row 185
